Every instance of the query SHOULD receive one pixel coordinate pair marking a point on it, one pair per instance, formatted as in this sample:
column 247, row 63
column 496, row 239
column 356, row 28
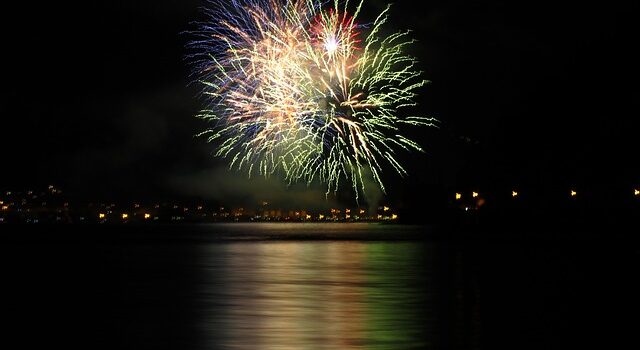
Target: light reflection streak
column 310, row 295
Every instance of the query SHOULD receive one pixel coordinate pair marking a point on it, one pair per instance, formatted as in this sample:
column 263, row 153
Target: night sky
column 96, row 99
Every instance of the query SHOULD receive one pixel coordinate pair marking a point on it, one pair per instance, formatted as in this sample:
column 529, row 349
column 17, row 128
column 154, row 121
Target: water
column 330, row 295
column 293, row 286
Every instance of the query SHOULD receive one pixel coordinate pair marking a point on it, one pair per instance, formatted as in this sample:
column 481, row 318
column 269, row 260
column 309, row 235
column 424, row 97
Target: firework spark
column 295, row 88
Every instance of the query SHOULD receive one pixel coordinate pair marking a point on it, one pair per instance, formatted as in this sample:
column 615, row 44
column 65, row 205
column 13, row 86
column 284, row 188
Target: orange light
column 385, row 208
column 361, row 211
column 5, row 207
column 347, row 216
column 514, row 194
column 308, row 217
column 147, row 215
column 125, row 216
column 101, row 216
column 394, row 217
column 474, row 194
column 573, row 193
column 458, row 196
column 636, row 192
column 320, row 216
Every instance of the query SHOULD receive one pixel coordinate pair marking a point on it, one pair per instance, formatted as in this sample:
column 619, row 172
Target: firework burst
column 305, row 90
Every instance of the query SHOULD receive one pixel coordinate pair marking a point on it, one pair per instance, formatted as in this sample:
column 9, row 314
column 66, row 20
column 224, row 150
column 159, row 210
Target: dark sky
column 95, row 97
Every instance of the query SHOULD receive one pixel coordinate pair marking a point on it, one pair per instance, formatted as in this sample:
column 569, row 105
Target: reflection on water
column 271, row 286
column 284, row 286
column 311, row 295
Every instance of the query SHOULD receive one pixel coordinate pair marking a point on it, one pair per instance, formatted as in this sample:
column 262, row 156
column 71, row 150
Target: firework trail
column 300, row 87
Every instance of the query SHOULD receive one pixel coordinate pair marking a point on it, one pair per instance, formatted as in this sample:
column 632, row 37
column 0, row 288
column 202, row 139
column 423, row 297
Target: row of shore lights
column 514, row 194
column 125, row 216
column 308, row 217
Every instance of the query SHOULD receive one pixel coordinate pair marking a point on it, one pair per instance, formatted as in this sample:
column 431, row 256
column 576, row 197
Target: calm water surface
column 292, row 286
column 321, row 295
